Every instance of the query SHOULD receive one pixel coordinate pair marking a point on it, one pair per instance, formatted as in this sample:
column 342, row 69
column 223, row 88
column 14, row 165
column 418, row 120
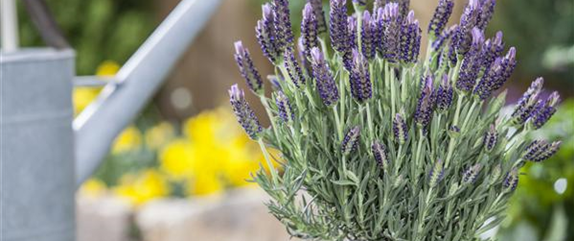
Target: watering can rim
column 35, row 53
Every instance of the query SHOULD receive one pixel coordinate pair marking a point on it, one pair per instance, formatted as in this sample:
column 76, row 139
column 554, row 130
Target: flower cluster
column 381, row 139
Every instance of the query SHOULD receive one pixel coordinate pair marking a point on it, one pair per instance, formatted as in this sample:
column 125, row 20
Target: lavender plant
column 379, row 143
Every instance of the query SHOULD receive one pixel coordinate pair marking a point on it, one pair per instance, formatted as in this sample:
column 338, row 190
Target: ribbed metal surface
column 37, row 146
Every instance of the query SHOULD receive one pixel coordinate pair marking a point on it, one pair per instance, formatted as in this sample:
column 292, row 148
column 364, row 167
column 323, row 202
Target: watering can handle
column 120, row 101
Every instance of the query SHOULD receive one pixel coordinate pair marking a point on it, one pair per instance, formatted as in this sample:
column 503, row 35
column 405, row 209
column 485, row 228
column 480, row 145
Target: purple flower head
column 470, row 175
column 490, row 138
column 360, row 79
column 444, row 94
column 368, row 35
column 381, row 154
column 436, row 174
column 440, row 17
column 319, row 15
column 351, row 140
column 444, row 37
column 486, row 12
column 352, row 35
column 496, row 75
column 304, row 58
column 284, row 109
column 492, row 49
column 293, row 68
column 247, row 68
column 425, row 103
column 309, row 30
column 400, row 130
column 469, row 19
column 410, row 39
column 266, row 36
column 325, row 83
column 511, row 180
column 338, row 30
column 391, row 27
column 245, row 115
column 282, row 24
column 545, row 111
column 471, row 63
column 527, row 103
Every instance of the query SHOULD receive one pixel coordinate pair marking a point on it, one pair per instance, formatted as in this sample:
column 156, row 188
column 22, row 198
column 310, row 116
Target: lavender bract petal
column 247, row 68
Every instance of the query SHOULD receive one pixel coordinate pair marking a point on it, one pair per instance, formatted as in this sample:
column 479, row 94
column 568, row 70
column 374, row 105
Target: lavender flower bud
column 472, row 63
column 486, row 12
column 338, row 26
column 445, row 36
column 410, row 40
column 471, row 174
column 545, row 111
column 325, row 83
column 293, row 68
column 469, row 19
column 285, row 111
column 351, row 140
column 492, row 49
column 282, row 24
column 540, row 150
column 360, row 79
column 527, row 103
column 352, row 35
column 309, row 30
column 440, row 17
column 245, row 115
column 495, row 76
column 511, row 180
column 380, row 154
column 247, row 68
column 266, row 36
column 368, row 41
column 425, row 103
column 319, row 15
column 444, row 95
column 400, row 129
column 490, row 139
column 391, row 32
column 436, row 174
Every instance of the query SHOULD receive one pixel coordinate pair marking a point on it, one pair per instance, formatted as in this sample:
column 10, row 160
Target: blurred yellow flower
column 177, row 159
column 93, row 188
column 142, row 187
column 83, row 96
column 159, row 135
column 107, row 68
column 130, row 139
column 204, row 184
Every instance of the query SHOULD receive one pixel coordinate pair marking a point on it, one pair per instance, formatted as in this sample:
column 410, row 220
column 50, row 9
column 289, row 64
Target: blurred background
column 180, row 169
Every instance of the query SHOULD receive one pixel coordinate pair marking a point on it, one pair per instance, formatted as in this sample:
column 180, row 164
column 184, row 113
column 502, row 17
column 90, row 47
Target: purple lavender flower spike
column 360, row 78
column 352, row 35
column 486, row 12
column 527, row 103
column 490, row 139
column 410, row 40
column 266, row 36
column 285, row 111
column 463, row 38
column 282, row 24
column 492, row 49
column 543, row 151
column 319, row 15
column 391, row 30
column 404, row 6
column 304, row 58
column 351, row 140
column 381, row 154
column 247, row 68
column 339, row 26
column 535, row 149
column 325, row 83
column 471, row 174
column 444, row 95
column 511, row 180
column 436, row 174
column 444, row 37
column 425, row 103
column 440, row 17
column 545, row 111
column 471, row 64
column 369, row 27
column 400, row 130
column 245, row 115
column 293, row 68
column 496, row 75
column 309, row 30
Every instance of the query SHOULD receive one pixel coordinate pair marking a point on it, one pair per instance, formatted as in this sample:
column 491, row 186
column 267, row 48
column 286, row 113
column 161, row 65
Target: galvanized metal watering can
column 45, row 153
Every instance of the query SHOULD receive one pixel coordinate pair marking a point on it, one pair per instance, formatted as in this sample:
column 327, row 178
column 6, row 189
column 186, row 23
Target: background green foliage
column 97, row 29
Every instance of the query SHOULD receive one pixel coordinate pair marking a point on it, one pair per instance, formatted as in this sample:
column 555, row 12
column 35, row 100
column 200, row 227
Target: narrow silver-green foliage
column 380, row 149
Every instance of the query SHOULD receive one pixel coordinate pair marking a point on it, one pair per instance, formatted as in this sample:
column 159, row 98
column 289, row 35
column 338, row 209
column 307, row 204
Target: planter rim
column 36, row 54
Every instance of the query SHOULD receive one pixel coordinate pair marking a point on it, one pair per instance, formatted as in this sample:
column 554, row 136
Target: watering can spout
column 136, row 82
